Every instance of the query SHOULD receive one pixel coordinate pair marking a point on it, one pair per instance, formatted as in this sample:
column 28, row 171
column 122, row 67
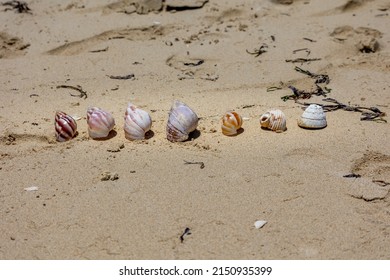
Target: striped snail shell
column 137, row 123
column 313, row 117
column 65, row 125
column 100, row 122
column 274, row 120
column 182, row 120
column 231, row 123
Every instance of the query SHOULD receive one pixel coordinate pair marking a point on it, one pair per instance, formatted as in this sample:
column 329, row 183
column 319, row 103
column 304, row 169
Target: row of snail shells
column 231, row 123
column 137, row 123
column 313, row 117
column 274, row 120
column 65, row 125
column 100, row 122
column 182, row 120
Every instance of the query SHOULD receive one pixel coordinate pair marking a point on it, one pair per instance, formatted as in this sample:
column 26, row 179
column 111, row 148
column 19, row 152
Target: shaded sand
column 199, row 55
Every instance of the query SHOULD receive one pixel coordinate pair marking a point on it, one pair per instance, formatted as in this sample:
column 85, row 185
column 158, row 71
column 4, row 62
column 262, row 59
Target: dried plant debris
column 302, row 94
column 319, row 78
column 302, row 60
column 124, row 77
column 83, row 93
column 352, row 175
column 368, row 113
column 257, row 52
column 201, row 163
column 187, row 231
column 18, row 6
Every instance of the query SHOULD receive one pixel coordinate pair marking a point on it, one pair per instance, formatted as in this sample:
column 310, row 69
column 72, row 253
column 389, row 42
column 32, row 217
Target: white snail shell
column 137, row 123
column 182, row 120
column 100, row 122
column 313, row 117
column 231, row 123
column 65, row 125
column 274, row 120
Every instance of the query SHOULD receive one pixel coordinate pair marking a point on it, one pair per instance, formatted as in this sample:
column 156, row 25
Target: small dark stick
column 186, row 232
column 195, row 162
column 83, row 93
column 125, row 77
column 352, row 175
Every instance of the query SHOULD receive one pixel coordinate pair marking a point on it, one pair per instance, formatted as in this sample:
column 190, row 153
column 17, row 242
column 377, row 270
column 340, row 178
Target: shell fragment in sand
column 32, row 188
column 260, row 224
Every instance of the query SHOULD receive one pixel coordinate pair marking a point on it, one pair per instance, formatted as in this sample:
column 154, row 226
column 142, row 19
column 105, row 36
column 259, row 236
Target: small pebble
column 109, row 176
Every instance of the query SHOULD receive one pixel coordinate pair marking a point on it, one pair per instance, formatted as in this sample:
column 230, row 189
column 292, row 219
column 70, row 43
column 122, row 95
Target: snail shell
column 65, row 125
column 274, row 120
column 100, row 122
column 313, row 117
column 182, row 120
column 231, row 122
column 137, row 123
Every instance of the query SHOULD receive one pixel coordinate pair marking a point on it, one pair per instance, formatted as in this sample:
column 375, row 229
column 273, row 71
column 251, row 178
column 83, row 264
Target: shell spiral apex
column 65, row 126
column 137, row 123
column 182, row 120
column 231, row 123
column 313, row 117
column 274, row 120
column 100, row 122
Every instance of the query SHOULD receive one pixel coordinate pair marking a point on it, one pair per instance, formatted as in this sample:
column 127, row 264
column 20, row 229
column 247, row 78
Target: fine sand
column 215, row 56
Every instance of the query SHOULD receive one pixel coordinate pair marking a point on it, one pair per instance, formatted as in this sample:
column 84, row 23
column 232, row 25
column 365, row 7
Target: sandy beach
column 325, row 193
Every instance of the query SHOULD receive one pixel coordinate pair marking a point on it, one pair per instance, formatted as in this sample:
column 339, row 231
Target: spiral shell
column 313, row 117
column 137, row 123
column 231, row 123
column 100, row 122
column 274, row 120
column 182, row 120
column 65, row 125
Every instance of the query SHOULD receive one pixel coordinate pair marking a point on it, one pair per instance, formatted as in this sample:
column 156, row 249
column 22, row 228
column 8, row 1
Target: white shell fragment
column 313, row 117
column 260, row 224
column 274, row 120
column 31, row 189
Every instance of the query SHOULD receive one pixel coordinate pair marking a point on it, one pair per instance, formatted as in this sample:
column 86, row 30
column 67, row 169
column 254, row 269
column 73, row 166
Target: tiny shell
column 65, row 126
column 313, row 117
column 182, row 120
column 260, row 224
column 137, row 123
column 231, row 123
column 31, row 189
column 274, row 120
column 100, row 122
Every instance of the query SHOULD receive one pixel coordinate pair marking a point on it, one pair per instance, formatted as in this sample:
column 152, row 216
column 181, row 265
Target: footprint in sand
column 133, row 34
column 11, row 46
column 365, row 39
column 192, row 67
column 374, row 183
